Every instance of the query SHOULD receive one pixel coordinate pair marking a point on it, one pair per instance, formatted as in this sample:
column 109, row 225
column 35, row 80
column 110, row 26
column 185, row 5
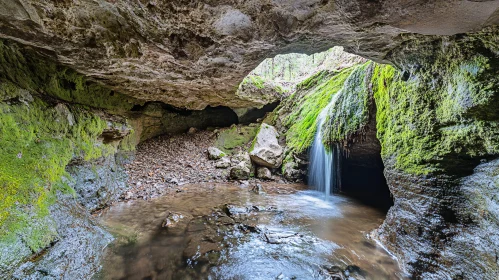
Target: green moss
column 306, row 106
column 442, row 116
column 37, row 141
column 129, row 143
column 26, row 69
column 236, row 136
column 258, row 81
column 351, row 109
column 313, row 80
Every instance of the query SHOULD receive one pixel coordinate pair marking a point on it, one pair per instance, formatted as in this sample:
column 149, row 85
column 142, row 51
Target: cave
column 121, row 135
column 360, row 171
column 360, row 174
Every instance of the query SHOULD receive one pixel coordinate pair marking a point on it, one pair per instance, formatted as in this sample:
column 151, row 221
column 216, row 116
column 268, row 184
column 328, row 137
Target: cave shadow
column 360, row 176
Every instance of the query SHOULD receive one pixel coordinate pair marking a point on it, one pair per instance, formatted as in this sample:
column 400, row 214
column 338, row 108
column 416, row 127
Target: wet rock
column 80, row 242
column 223, row 163
column 249, row 228
column 172, row 219
column 281, row 237
column 266, row 150
column 243, row 184
column 98, row 183
column 233, row 210
column 263, row 172
column 258, row 188
column 215, row 153
column 291, row 171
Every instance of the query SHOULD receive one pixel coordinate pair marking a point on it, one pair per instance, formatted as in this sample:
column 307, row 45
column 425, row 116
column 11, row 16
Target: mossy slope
column 350, row 112
column 305, row 105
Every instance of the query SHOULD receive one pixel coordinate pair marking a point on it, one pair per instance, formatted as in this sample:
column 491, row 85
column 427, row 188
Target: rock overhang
column 193, row 54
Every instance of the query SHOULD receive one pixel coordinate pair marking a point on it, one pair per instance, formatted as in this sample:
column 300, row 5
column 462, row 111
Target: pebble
column 165, row 162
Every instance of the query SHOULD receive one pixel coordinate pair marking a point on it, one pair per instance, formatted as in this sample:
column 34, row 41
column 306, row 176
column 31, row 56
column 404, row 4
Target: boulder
column 263, row 172
column 266, row 150
column 258, row 189
column 291, row 171
column 243, row 157
column 223, row 163
column 240, row 172
column 215, row 153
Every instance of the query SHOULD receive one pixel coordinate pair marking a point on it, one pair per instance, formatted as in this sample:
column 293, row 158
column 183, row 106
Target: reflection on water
column 222, row 231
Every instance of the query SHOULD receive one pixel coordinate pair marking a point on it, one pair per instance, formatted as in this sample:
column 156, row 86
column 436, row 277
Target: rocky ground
column 165, row 163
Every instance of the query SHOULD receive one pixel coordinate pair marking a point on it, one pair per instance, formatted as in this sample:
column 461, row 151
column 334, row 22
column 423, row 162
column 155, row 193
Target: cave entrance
column 306, row 79
column 360, row 175
column 360, row 169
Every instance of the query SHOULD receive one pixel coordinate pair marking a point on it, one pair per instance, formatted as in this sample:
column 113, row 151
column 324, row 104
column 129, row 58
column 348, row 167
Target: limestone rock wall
column 437, row 124
column 436, row 131
column 191, row 54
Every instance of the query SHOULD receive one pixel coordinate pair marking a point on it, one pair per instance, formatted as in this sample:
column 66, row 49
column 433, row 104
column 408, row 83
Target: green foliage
column 306, row 106
column 351, row 109
column 37, row 141
column 27, row 70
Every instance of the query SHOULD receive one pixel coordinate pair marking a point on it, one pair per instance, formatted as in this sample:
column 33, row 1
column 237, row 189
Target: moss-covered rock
column 350, row 112
column 299, row 112
column 31, row 71
column 38, row 139
column 437, row 120
column 438, row 116
column 237, row 136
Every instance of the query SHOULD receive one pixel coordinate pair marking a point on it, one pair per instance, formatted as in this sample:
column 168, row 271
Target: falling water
column 321, row 172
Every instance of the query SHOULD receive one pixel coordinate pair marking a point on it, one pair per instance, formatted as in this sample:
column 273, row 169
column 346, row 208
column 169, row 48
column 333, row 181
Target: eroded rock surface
column 191, row 55
column 266, row 150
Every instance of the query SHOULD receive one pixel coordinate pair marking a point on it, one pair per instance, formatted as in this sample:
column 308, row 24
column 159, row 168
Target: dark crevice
column 254, row 114
column 361, row 177
column 70, row 85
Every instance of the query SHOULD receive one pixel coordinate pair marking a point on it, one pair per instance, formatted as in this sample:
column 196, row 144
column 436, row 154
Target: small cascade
column 322, row 167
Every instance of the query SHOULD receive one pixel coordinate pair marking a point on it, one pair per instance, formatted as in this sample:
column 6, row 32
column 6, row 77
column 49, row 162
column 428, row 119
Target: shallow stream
column 224, row 231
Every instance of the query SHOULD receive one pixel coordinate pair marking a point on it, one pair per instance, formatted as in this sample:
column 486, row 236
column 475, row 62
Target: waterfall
column 322, row 167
